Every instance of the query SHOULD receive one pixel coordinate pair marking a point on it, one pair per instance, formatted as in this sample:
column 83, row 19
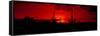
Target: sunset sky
column 46, row 10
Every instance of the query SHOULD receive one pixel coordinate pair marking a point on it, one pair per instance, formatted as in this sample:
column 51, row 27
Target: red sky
column 45, row 11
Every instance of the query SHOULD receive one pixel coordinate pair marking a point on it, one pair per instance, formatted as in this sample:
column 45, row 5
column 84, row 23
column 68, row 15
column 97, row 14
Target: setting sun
column 60, row 19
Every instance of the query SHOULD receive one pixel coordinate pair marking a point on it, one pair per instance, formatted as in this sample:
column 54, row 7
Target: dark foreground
column 21, row 28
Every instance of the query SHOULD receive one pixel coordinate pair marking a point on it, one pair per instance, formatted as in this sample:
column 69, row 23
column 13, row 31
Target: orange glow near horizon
column 62, row 16
column 61, row 19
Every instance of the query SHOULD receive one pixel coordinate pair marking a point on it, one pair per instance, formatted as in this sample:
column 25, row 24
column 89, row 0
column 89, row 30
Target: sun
column 60, row 19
